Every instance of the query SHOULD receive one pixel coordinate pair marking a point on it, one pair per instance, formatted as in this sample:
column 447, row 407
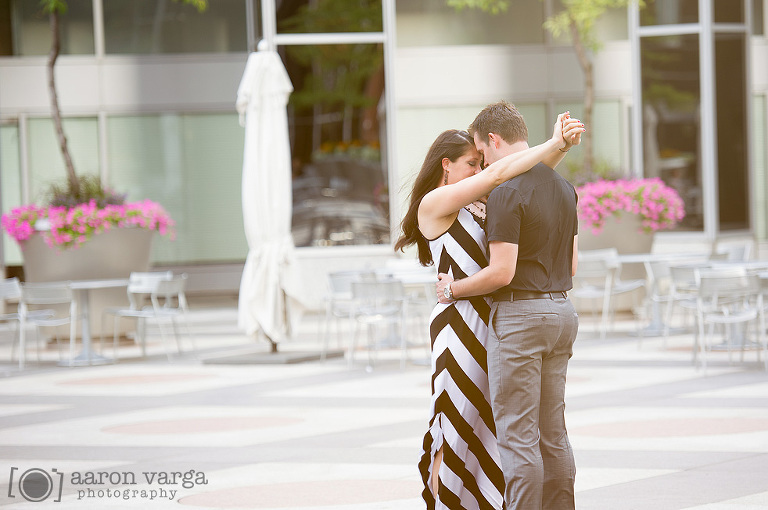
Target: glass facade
column 729, row 11
column 672, row 120
column 329, row 16
column 30, row 32
column 46, row 166
column 192, row 165
column 732, row 136
column 337, row 131
column 150, row 27
column 758, row 24
column 10, row 183
column 759, row 137
column 694, row 112
column 670, row 12
column 434, row 22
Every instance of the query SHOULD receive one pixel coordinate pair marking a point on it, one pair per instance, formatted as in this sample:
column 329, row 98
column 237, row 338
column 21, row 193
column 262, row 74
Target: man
column 532, row 232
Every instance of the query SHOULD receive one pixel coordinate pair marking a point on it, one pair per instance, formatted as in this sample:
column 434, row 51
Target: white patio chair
column 598, row 279
column 736, row 250
column 730, row 298
column 152, row 296
column 59, row 308
column 169, row 300
column 379, row 302
column 339, row 304
column 683, row 296
column 10, row 291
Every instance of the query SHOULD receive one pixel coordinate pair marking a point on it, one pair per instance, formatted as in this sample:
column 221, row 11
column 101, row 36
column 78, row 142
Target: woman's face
column 465, row 166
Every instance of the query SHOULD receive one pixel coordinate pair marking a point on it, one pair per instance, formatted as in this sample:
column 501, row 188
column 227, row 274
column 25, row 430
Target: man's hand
column 443, row 281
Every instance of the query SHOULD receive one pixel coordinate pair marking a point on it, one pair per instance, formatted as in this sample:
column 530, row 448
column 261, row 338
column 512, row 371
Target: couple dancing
column 503, row 330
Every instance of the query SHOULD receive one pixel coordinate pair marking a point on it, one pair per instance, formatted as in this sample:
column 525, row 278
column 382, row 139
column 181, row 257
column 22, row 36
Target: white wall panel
column 23, row 87
column 759, row 66
column 122, row 84
column 172, row 84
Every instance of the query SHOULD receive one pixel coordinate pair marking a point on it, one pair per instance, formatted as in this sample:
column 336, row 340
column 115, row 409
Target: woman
column 460, row 463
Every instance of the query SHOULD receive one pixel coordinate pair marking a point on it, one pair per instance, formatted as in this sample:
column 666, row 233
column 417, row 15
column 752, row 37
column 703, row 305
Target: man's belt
column 517, row 295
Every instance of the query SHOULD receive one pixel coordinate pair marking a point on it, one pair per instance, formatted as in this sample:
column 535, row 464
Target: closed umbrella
column 267, row 299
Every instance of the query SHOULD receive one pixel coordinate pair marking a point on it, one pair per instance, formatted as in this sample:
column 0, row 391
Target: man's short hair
column 503, row 119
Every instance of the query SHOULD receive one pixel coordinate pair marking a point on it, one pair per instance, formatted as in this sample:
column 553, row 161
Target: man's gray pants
column 529, row 347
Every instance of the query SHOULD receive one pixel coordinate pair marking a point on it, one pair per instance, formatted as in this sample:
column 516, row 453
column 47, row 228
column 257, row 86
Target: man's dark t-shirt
column 536, row 211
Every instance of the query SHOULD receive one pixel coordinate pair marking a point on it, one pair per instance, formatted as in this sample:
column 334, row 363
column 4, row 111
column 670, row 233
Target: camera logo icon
column 35, row 484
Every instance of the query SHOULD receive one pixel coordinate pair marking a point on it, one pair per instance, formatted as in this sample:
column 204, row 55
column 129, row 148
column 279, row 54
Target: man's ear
column 494, row 140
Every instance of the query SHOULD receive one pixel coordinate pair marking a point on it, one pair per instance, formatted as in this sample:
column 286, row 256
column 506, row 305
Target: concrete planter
column 113, row 254
column 624, row 234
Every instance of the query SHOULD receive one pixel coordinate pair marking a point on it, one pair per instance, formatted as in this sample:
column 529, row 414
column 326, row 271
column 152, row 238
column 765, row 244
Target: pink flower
column 658, row 205
column 75, row 226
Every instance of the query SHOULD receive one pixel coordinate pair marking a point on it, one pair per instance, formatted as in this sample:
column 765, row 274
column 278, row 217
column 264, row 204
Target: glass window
column 760, row 152
column 669, row 12
column 46, row 165
column 732, row 156
column 10, row 185
column 329, row 16
column 338, row 130
column 434, row 23
column 192, row 165
column 31, row 32
column 607, row 129
column 757, row 17
column 612, row 25
column 729, row 11
column 6, row 29
column 150, row 27
column 671, row 122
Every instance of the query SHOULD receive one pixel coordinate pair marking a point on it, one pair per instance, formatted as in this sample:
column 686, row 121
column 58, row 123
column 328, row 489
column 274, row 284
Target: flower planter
column 112, row 254
column 625, row 214
column 623, row 233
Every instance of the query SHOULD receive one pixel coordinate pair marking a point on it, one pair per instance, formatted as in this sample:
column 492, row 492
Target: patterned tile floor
column 649, row 430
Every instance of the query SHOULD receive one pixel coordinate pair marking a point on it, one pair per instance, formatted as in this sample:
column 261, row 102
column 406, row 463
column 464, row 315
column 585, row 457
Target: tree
column 54, row 9
column 577, row 19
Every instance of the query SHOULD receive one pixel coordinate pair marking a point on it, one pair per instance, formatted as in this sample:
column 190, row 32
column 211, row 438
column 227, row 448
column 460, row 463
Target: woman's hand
column 571, row 130
column 558, row 132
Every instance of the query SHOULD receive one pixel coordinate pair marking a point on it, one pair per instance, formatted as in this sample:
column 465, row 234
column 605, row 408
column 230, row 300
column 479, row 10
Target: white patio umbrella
column 267, row 299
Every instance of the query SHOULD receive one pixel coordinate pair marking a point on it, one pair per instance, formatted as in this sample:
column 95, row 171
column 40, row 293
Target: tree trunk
column 589, row 95
column 74, row 182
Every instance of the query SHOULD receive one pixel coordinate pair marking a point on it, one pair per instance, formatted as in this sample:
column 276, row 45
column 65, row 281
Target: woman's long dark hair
column 451, row 144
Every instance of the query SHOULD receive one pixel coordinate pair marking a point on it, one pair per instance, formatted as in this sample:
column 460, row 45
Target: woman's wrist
column 555, row 144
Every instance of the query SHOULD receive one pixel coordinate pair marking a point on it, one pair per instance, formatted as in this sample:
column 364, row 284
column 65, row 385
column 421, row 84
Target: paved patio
column 649, row 430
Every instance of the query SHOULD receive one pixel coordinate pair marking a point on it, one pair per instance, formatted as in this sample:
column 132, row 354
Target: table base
column 84, row 359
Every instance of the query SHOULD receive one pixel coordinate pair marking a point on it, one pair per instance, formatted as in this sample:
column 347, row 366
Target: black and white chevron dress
column 461, row 420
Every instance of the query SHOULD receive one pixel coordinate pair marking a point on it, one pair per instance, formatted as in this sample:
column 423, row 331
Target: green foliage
column 89, row 188
column 200, row 5
column 582, row 14
column 339, row 70
column 331, row 16
column 60, row 6
column 54, row 6
column 574, row 171
column 490, row 6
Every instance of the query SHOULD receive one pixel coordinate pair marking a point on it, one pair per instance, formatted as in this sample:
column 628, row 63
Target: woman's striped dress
column 461, row 421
